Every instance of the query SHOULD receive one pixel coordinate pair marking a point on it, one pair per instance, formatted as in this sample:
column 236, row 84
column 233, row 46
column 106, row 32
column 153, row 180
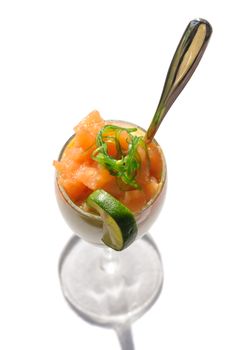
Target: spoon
column 186, row 58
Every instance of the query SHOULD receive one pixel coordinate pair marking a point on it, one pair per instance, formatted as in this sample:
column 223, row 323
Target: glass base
column 111, row 288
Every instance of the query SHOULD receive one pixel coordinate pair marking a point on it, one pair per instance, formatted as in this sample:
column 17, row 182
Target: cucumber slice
column 120, row 228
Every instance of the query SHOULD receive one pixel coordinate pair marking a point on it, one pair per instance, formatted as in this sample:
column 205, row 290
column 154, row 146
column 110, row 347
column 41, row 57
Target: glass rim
column 96, row 217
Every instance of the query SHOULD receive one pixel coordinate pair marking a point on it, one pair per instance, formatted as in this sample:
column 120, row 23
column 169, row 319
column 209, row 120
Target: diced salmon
column 94, row 177
column 66, row 168
column 144, row 170
column 74, row 188
column 156, row 163
column 135, row 200
column 93, row 120
column 79, row 155
column 150, row 188
column 113, row 188
column 111, row 148
column 124, row 140
column 87, row 130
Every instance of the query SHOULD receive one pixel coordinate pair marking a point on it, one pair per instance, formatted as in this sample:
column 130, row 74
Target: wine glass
column 113, row 288
column 104, row 286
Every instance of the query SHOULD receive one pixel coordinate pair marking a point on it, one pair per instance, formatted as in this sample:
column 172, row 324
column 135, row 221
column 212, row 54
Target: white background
column 58, row 61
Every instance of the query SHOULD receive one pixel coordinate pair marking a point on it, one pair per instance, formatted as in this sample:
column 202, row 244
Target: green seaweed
column 124, row 165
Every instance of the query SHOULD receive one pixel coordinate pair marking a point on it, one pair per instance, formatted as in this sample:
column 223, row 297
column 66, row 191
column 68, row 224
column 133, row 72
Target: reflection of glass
column 102, row 285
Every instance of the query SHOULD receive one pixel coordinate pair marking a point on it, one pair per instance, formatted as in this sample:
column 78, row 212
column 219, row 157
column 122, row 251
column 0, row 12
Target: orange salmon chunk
column 93, row 177
column 87, row 130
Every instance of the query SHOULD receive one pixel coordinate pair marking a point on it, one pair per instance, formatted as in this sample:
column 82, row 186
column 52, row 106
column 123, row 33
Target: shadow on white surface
column 125, row 337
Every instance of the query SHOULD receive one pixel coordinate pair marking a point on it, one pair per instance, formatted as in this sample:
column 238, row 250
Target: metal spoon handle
column 186, row 58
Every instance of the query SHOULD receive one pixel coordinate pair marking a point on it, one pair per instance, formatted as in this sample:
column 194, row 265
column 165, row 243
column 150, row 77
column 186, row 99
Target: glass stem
column 109, row 261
